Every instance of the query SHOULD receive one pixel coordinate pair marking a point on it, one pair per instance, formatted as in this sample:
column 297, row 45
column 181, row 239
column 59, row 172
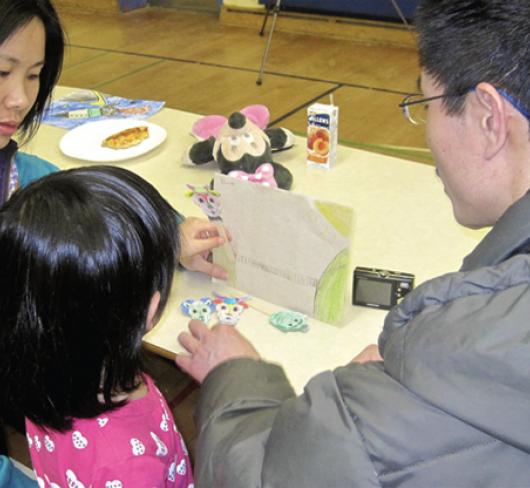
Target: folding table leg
column 268, row 8
column 275, row 12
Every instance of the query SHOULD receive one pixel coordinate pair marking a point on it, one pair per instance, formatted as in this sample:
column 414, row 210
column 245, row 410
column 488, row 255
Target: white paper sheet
column 291, row 250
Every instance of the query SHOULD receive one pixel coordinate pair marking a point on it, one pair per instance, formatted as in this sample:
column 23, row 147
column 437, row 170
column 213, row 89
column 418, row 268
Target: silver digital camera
column 380, row 288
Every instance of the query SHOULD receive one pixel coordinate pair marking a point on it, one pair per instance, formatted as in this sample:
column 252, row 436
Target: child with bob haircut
column 88, row 259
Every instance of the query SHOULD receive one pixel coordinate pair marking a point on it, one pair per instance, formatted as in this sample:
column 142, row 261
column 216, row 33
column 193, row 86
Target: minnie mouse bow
column 264, row 175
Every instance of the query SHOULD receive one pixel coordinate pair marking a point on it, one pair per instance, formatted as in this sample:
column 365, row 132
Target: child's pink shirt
column 137, row 445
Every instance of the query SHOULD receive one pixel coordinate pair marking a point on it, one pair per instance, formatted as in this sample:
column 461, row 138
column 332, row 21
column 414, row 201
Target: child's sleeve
column 145, row 471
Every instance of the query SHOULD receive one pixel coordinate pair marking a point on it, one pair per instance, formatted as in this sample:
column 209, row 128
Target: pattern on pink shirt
column 137, row 445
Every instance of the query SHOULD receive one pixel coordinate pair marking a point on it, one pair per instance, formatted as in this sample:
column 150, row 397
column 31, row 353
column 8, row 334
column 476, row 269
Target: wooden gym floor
column 194, row 63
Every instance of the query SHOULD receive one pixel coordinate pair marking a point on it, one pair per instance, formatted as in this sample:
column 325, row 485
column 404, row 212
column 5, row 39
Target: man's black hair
column 465, row 42
column 83, row 252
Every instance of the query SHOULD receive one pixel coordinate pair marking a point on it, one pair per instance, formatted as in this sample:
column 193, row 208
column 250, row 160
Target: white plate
column 84, row 142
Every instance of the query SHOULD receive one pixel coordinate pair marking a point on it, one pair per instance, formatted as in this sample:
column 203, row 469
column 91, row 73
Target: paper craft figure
column 229, row 309
column 200, row 309
column 289, row 321
column 291, row 250
column 264, row 175
column 208, row 200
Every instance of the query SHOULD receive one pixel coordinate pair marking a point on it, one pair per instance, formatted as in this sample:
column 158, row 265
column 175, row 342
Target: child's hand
column 210, row 347
column 197, row 239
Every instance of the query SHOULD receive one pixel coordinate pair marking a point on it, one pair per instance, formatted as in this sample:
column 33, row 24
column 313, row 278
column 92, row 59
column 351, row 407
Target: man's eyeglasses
column 415, row 111
column 414, row 108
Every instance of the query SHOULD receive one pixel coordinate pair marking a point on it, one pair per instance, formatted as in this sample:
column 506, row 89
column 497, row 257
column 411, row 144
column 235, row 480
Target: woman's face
column 21, row 61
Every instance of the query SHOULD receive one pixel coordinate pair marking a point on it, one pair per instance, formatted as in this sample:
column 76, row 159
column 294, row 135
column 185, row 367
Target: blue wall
column 126, row 5
column 367, row 8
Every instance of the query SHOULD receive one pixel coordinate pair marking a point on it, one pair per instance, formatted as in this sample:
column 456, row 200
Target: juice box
column 322, row 134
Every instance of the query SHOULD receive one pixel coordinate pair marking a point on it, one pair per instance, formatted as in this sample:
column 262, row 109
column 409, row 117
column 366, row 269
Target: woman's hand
column 197, row 239
column 210, row 347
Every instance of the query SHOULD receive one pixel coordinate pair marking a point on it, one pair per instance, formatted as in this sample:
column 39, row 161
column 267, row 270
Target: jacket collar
column 508, row 237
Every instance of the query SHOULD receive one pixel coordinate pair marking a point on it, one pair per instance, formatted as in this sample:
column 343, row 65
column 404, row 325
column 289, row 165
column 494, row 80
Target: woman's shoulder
column 31, row 167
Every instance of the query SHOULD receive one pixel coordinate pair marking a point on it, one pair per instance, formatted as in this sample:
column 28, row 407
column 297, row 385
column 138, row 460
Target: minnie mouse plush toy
column 242, row 146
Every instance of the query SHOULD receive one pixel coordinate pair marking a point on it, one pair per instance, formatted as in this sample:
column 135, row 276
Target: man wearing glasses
column 449, row 405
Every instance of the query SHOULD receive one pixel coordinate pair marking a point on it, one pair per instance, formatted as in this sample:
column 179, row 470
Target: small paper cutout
column 229, row 309
column 208, row 200
column 200, row 309
column 289, row 321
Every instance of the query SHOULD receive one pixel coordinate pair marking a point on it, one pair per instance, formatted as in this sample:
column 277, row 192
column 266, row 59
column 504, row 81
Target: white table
column 403, row 221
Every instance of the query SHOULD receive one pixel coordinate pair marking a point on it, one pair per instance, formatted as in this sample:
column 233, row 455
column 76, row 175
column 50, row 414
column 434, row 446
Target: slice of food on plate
column 127, row 138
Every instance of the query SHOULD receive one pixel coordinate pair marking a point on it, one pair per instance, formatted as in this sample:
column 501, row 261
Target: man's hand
column 369, row 353
column 197, row 239
column 210, row 347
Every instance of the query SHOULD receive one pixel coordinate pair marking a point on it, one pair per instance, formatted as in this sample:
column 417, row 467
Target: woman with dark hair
column 88, row 260
column 31, row 56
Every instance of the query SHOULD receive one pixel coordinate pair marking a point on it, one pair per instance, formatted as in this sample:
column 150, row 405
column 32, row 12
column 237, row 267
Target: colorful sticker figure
column 200, row 309
column 289, row 321
column 208, row 200
column 229, row 309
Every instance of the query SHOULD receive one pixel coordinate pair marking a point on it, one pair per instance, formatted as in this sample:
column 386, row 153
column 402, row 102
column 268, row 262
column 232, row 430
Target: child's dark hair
column 15, row 14
column 83, row 252
column 465, row 42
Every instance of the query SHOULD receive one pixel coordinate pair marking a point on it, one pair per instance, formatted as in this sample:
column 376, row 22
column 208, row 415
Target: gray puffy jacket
column 449, row 407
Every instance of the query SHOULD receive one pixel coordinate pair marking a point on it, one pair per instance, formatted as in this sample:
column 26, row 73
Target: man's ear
column 492, row 112
column 151, row 313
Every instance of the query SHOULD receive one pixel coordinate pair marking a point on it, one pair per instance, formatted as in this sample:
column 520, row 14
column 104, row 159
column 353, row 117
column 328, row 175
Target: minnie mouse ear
column 259, row 114
column 208, row 126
